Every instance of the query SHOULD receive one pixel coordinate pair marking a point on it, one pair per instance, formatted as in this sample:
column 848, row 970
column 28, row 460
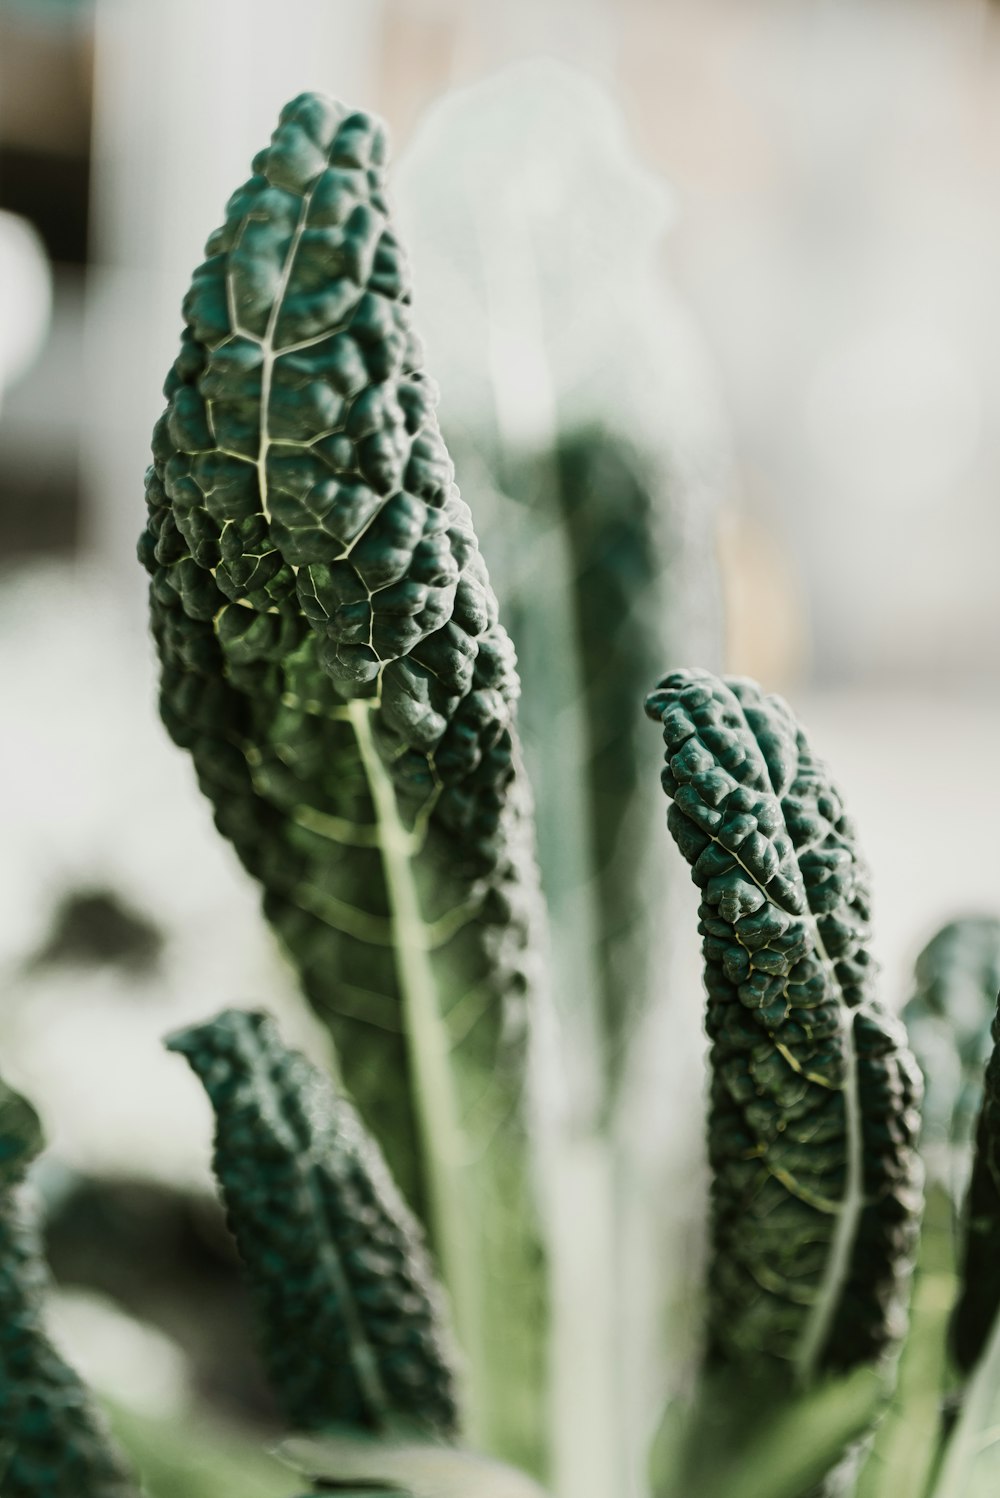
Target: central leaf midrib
column 435, row 1104
column 433, row 1093
column 838, row 1262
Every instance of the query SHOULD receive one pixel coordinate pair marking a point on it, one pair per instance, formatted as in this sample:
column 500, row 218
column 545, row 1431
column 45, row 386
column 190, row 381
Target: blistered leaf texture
column 816, row 1190
column 350, row 1317
column 53, row 1443
column 332, row 660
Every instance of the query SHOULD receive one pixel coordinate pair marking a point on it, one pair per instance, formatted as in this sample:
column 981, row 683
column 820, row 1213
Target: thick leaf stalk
column 333, row 662
column 53, row 1441
column 351, row 1321
column 816, row 1192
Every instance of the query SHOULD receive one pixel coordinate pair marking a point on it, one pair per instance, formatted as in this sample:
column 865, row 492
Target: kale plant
column 332, row 660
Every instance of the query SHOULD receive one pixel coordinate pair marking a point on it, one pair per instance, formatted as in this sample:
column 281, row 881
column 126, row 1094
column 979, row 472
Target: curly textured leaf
column 53, row 1443
column 957, row 978
column 332, row 659
column 814, row 1112
column 349, row 1314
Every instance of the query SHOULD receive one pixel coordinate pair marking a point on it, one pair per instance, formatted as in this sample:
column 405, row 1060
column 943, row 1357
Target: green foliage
column 816, row 1181
column 53, row 1443
column 197, row 1458
column 738, row 1444
column 970, row 1460
column 907, row 1442
column 349, row 1316
column 577, row 409
column 957, row 978
column 332, row 660
column 416, row 1470
column 979, row 1299
column 601, row 494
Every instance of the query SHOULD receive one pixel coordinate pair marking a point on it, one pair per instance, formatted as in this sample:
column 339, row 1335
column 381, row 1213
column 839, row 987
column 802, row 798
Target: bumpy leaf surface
column 957, row 979
column 332, row 660
column 814, row 1110
column 350, row 1317
column 53, row 1443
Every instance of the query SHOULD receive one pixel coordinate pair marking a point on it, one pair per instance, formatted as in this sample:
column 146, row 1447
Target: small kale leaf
column 351, row 1320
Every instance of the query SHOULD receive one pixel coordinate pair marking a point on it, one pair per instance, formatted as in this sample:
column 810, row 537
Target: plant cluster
column 333, row 662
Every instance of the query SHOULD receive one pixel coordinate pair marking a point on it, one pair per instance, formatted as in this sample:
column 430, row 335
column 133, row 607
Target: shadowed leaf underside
column 816, row 1190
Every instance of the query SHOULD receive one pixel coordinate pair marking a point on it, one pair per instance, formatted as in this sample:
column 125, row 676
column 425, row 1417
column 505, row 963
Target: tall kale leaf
column 814, row 1104
column 333, row 662
column 350, row 1317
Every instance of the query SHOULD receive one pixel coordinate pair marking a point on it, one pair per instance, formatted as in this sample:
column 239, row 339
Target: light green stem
column 443, row 1146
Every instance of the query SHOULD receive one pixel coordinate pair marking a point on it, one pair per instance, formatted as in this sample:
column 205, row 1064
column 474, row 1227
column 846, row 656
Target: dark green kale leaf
column 333, row 662
column 53, row 1441
column 350, row 1319
column 816, row 1192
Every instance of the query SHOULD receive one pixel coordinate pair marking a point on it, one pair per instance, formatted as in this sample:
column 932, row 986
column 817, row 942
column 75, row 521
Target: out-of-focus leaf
column 957, row 979
column 579, row 407
column 907, row 1439
column 747, row 1440
column 198, row 1458
column 420, row 1470
column 21, row 1137
column 970, row 1465
column 814, row 1113
column 582, row 414
column 979, row 1296
column 332, row 660
column 53, row 1442
column 350, row 1318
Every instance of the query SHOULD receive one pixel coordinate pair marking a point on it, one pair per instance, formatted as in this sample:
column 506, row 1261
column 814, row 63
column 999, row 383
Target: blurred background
column 816, row 347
